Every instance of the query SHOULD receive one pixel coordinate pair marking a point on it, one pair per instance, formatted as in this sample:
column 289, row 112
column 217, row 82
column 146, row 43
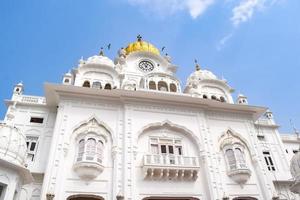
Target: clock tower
column 144, row 68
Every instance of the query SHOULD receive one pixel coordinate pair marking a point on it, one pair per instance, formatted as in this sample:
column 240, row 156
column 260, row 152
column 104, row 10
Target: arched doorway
column 244, row 198
column 85, row 197
column 170, row 198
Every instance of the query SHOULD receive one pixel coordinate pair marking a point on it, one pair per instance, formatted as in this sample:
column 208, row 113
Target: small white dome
column 203, row 74
column 100, row 60
column 199, row 75
column 12, row 144
column 295, row 166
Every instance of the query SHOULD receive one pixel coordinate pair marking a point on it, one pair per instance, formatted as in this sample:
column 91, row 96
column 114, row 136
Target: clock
column 146, row 66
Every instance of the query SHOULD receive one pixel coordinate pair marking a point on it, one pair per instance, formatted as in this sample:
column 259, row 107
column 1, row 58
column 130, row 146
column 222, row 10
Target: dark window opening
column 107, row 86
column 269, row 161
column 222, row 99
column 162, row 86
column 38, row 120
column 32, row 147
column 295, row 151
column 86, row 84
column 163, row 149
column 67, row 80
column 213, row 97
column 204, row 97
column 17, row 89
column 179, row 150
column 171, row 150
column 152, row 85
column 173, row 87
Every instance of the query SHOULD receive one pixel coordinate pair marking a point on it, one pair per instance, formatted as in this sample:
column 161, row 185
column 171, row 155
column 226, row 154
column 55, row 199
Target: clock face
column 146, row 66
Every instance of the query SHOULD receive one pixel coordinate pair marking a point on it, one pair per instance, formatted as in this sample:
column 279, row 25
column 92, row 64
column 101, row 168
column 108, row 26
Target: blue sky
column 254, row 44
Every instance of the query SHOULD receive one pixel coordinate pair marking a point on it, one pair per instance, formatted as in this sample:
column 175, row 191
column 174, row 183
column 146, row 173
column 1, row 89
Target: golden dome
column 140, row 45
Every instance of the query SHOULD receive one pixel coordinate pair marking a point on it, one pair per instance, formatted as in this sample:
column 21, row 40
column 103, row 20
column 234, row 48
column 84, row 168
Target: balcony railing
column 171, row 160
column 30, row 99
column 159, row 166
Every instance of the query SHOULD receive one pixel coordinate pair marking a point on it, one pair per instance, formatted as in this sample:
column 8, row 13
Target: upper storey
column 140, row 66
column 206, row 85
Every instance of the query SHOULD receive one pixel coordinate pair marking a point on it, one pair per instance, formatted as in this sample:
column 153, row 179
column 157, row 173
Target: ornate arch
column 171, row 126
column 85, row 197
column 231, row 136
column 93, row 124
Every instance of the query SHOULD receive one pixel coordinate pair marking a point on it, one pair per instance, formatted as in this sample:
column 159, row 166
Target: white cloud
column 243, row 12
column 167, row 7
column 223, row 41
column 246, row 8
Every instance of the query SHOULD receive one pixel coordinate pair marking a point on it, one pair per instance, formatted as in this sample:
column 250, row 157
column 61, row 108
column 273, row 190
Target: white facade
column 124, row 129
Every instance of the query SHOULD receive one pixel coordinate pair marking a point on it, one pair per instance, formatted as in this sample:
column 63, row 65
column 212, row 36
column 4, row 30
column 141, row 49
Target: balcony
column 27, row 99
column 171, row 167
column 239, row 173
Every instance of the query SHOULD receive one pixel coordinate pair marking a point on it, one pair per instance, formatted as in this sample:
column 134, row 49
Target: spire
column 101, row 52
column 197, row 65
column 139, row 38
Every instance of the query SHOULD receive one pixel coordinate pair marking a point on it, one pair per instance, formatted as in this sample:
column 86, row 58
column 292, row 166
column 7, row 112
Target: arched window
column 213, row 97
column 231, row 159
column 222, row 99
column 152, row 85
column 173, row 87
column 162, row 86
column 80, row 150
column 97, row 85
column 240, row 158
column 107, row 86
column 204, row 96
column 86, row 84
column 235, row 157
column 99, row 150
column 90, row 148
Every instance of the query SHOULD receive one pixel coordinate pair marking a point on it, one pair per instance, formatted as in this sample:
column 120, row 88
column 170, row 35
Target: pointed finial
column 108, row 46
column 139, row 38
column 197, row 65
column 101, row 52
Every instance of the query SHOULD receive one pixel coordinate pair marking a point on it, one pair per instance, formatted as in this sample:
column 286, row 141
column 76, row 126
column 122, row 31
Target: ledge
column 87, row 170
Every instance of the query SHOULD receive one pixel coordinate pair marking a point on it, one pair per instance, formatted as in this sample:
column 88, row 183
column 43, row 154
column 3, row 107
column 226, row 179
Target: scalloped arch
column 99, row 122
column 171, row 126
column 236, row 136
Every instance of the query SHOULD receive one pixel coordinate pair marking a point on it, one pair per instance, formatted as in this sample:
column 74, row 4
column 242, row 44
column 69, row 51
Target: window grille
column 269, row 161
column 31, row 143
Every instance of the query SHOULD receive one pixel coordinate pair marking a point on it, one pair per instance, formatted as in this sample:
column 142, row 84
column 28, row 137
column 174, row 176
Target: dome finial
column 139, row 38
column 197, row 65
column 101, row 52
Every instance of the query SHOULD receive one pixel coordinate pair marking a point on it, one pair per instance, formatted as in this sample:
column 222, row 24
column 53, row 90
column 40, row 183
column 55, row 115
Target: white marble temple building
column 127, row 129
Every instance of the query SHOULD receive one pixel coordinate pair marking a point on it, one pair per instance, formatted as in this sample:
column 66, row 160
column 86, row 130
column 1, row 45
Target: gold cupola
column 141, row 45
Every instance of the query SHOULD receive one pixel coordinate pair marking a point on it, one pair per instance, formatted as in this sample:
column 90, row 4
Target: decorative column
column 55, row 155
